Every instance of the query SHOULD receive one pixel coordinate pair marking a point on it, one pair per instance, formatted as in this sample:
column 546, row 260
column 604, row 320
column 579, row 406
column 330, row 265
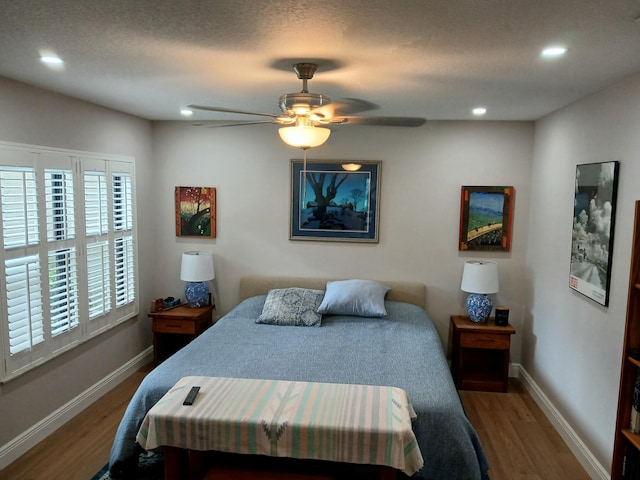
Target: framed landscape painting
column 486, row 217
column 594, row 212
column 331, row 203
column 195, row 212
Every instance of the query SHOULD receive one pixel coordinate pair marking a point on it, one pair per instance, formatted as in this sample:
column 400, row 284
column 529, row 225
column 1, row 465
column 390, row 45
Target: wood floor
column 520, row 442
column 518, row 439
column 79, row 449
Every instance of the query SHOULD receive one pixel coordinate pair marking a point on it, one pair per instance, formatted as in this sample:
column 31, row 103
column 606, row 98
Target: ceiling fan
column 306, row 115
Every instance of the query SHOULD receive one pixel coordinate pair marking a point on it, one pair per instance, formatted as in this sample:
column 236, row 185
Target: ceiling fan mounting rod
column 305, row 71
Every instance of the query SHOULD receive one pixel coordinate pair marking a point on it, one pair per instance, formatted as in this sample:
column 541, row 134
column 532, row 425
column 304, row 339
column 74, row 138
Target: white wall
column 422, row 172
column 33, row 116
column 571, row 345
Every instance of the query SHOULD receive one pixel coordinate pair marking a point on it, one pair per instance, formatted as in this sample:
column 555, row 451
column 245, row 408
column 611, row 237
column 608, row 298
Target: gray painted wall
column 32, row 116
column 571, row 346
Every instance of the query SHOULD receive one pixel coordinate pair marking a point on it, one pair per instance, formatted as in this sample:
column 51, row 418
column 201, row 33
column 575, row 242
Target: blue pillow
column 292, row 307
column 362, row 298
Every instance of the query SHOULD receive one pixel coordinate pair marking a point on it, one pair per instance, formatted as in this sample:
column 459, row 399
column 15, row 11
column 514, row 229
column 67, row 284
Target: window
column 69, row 255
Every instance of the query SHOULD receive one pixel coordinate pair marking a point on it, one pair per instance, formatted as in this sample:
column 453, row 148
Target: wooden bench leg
column 172, row 463
column 387, row 473
column 196, row 464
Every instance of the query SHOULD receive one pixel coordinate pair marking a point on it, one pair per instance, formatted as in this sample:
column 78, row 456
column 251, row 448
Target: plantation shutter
column 124, row 247
column 63, row 291
column 24, row 328
column 96, row 206
column 22, row 281
column 122, row 202
column 68, row 257
column 96, row 203
column 62, row 263
column 19, row 199
column 98, row 279
column 124, row 266
column 24, row 303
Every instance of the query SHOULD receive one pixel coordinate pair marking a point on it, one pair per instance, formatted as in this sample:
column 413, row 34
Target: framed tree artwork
column 594, row 212
column 195, row 212
column 486, row 218
column 335, row 201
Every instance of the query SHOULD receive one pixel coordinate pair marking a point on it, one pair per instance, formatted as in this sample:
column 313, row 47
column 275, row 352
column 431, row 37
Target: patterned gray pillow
column 292, row 306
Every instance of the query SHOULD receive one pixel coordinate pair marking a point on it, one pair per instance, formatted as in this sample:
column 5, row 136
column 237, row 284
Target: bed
column 401, row 349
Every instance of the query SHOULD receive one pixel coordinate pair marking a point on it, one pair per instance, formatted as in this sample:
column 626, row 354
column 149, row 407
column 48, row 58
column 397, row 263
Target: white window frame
column 106, row 311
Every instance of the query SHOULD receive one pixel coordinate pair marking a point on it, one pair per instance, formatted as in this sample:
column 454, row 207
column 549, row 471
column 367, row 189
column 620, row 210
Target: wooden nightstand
column 174, row 328
column 480, row 354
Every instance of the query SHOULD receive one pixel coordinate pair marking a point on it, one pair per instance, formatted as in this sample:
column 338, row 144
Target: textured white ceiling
column 431, row 58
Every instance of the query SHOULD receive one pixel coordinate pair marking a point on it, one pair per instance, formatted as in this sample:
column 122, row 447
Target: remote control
column 191, row 396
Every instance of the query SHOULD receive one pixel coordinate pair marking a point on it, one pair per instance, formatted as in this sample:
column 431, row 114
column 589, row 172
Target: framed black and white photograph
column 335, row 200
column 594, row 212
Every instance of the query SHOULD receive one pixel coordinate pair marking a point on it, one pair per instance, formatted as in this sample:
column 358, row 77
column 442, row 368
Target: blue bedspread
column 401, row 350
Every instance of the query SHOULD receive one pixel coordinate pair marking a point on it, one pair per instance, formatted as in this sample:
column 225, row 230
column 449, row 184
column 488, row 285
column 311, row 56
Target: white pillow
column 362, row 298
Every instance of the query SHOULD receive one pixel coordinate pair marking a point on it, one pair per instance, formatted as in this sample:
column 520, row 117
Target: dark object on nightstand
column 502, row 316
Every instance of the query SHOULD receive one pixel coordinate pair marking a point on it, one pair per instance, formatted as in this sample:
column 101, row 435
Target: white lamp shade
column 304, row 136
column 197, row 267
column 480, row 277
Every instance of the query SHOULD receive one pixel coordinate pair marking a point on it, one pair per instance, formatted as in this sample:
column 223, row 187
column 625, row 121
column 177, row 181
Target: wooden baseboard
column 28, row 439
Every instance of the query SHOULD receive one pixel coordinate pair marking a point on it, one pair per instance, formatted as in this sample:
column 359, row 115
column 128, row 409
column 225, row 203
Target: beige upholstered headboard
column 252, row 285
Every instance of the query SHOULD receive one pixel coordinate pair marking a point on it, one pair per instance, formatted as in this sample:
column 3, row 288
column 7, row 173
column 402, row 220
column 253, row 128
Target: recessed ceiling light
column 51, row 60
column 479, row 111
column 186, row 112
column 552, row 52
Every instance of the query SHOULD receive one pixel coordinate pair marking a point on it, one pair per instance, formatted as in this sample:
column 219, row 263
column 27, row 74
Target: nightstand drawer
column 484, row 340
column 167, row 325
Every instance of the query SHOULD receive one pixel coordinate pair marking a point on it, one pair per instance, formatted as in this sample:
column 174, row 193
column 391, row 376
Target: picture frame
column 195, row 210
column 486, row 218
column 335, row 201
column 594, row 213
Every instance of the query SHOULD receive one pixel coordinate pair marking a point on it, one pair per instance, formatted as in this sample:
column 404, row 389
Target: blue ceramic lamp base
column 197, row 294
column 479, row 307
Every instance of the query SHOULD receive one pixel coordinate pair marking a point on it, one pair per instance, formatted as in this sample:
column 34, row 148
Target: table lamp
column 479, row 279
column 197, row 270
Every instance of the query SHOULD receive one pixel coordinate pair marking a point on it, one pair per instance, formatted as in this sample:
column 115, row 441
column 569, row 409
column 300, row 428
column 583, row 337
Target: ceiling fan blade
column 231, row 110
column 214, row 124
column 380, row 120
column 344, row 106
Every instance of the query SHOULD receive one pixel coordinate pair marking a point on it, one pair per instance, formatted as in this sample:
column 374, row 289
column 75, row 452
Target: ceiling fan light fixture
column 304, row 136
column 302, row 102
column 351, row 167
